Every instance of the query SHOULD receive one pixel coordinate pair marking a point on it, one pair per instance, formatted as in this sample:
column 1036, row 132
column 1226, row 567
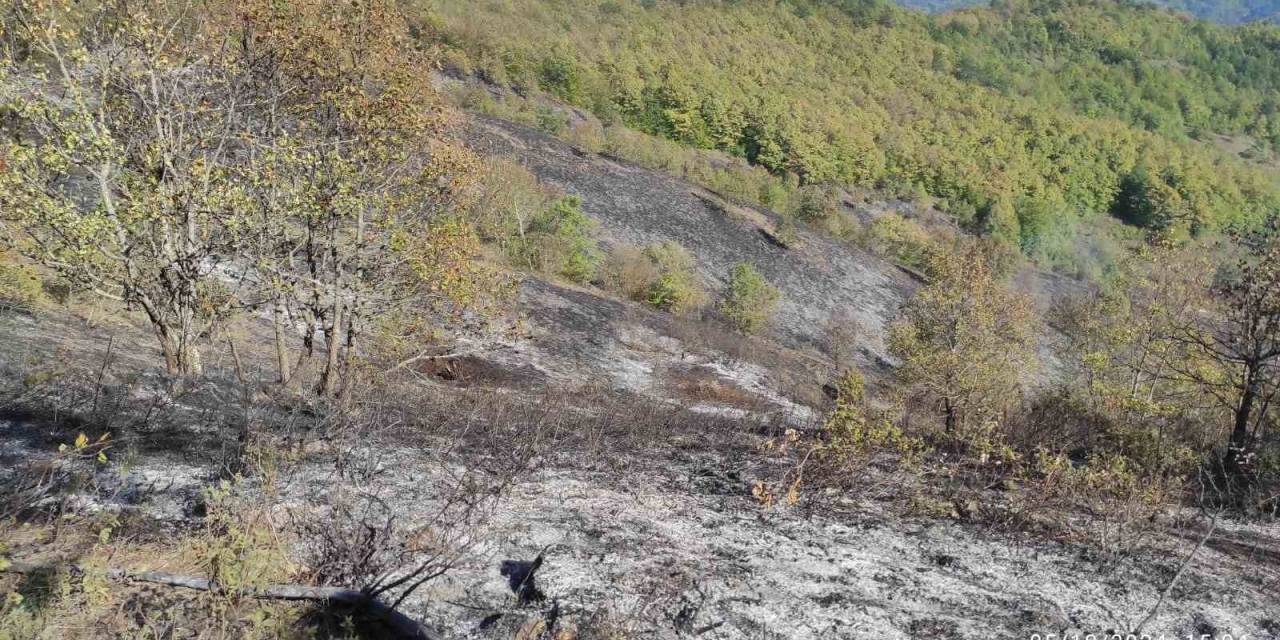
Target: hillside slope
column 638, row 439
column 1030, row 120
column 651, row 435
column 652, row 431
column 821, row 277
column 292, row 346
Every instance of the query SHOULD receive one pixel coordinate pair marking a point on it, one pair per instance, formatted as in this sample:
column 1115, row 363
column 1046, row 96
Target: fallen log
column 401, row 625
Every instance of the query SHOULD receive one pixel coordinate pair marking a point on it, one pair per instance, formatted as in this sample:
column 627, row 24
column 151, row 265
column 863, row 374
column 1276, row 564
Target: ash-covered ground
column 623, row 445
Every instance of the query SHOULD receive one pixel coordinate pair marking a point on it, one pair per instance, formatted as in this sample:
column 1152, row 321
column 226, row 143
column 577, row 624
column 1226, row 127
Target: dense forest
column 1026, row 118
column 1227, row 11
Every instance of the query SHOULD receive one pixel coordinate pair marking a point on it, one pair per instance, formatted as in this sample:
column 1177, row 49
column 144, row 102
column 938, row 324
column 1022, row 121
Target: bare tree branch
column 1213, row 525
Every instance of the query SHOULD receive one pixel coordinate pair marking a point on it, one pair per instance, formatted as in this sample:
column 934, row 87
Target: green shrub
column 999, row 219
column 749, row 299
column 558, row 75
column 853, row 432
column 510, row 198
column 773, row 194
column 645, row 150
column 735, row 178
column 785, row 232
column 677, row 288
column 843, row 225
column 1114, row 506
column 473, row 97
column 853, row 438
column 814, row 203
column 587, row 135
column 897, row 238
column 550, row 120
column 662, row 274
column 559, row 241
column 456, row 62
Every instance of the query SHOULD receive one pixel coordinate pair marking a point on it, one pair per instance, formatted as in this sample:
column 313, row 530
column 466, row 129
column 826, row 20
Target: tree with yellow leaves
column 364, row 201
column 1122, row 350
column 120, row 159
column 964, row 340
column 1240, row 337
column 192, row 163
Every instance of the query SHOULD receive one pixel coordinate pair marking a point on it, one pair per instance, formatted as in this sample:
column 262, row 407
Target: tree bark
column 190, row 364
column 169, row 351
column 949, row 409
column 282, row 351
column 181, row 357
column 1238, row 446
column 334, row 338
column 352, row 317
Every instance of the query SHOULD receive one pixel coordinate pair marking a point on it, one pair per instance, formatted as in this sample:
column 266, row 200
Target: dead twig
column 1213, row 525
column 427, row 356
column 102, row 371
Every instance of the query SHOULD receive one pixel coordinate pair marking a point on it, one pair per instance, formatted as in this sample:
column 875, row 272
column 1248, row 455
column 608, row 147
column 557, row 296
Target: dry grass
column 700, row 385
column 73, row 599
column 733, row 210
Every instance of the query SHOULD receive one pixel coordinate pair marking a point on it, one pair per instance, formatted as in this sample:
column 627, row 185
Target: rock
column 520, row 577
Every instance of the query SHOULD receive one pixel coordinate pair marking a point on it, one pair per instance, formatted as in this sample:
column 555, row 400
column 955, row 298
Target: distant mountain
column 1225, row 11
column 1229, row 11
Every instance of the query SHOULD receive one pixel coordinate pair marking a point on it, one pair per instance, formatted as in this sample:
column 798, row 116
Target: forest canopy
column 1227, row 11
column 1063, row 111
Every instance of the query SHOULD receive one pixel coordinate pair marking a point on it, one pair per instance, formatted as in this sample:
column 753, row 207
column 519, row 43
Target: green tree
column 814, row 203
column 1050, row 101
column 367, row 188
column 1123, row 354
column 964, row 340
column 1242, row 341
column 999, row 220
column 1151, row 202
column 307, row 167
column 120, row 167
